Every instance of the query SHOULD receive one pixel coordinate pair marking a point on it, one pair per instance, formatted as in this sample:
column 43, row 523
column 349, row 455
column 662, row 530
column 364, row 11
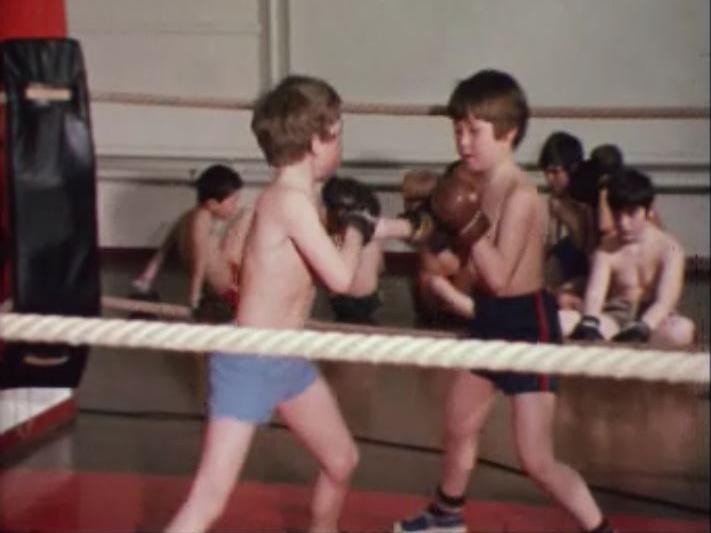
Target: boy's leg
column 533, row 414
column 467, row 406
column 316, row 421
column 225, row 447
column 675, row 330
column 468, row 403
column 609, row 326
column 568, row 319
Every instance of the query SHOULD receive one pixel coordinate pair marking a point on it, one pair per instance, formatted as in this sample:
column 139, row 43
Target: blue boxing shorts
column 248, row 387
column 526, row 318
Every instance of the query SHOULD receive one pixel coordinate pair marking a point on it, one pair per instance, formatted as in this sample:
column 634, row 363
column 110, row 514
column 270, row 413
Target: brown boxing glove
column 456, row 206
column 474, row 230
column 422, row 224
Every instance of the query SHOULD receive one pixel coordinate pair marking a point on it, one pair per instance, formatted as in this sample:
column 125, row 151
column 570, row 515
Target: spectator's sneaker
column 432, row 520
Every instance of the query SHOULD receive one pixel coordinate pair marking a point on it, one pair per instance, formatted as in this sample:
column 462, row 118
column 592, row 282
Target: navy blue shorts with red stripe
column 526, row 318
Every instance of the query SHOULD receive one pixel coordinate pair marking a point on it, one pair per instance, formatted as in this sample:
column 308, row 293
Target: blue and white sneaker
column 431, row 520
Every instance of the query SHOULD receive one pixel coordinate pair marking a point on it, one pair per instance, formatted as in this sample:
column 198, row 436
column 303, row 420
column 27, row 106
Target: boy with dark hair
column 502, row 227
column 208, row 239
column 298, row 126
column 637, row 274
column 443, row 283
column 362, row 299
column 570, row 232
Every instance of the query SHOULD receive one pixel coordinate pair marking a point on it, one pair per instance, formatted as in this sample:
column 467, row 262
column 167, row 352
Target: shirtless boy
column 298, row 127
column 444, row 280
column 637, row 274
column 503, row 230
column 362, row 299
column 209, row 240
column 570, row 234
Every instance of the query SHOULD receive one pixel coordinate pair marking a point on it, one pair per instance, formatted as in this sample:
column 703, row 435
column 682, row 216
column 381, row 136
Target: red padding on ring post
column 32, row 18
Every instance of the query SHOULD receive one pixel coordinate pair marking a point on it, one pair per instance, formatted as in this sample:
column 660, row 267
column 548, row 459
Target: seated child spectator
column 637, row 274
column 362, row 299
column 443, row 284
column 569, row 237
column 209, row 240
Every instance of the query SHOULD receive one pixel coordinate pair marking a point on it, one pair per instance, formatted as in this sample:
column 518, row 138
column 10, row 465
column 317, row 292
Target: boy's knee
column 459, row 430
column 679, row 331
column 537, row 465
column 341, row 464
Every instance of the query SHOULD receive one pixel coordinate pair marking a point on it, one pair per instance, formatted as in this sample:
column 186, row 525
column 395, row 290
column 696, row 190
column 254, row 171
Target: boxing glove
column 351, row 203
column 637, row 331
column 588, row 329
column 456, row 207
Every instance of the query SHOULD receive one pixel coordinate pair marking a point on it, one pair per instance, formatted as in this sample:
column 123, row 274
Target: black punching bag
column 48, row 174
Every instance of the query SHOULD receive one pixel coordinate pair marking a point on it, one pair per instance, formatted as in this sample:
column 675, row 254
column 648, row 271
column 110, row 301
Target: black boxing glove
column 351, row 203
column 362, row 221
column 588, row 329
column 637, row 331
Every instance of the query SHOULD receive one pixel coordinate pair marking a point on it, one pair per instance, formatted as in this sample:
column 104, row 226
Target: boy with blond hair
column 298, row 127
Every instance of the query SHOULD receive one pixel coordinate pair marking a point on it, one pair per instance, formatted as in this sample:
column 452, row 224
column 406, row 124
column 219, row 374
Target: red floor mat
column 64, row 500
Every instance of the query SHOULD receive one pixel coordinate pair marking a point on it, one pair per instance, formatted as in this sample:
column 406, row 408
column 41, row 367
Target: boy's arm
column 588, row 329
column 145, row 280
column 605, row 220
column 598, row 284
column 199, row 234
column 495, row 261
column 669, row 287
column 393, row 228
column 454, row 299
column 238, row 237
column 335, row 268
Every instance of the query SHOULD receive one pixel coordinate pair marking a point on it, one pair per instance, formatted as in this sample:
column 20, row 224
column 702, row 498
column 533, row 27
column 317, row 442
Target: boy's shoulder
column 281, row 199
column 666, row 241
column 519, row 189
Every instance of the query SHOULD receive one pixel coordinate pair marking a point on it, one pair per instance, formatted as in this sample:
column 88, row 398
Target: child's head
column 301, row 114
column 494, row 97
column 630, row 195
column 416, row 187
column 609, row 157
column 560, row 156
column 217, row 189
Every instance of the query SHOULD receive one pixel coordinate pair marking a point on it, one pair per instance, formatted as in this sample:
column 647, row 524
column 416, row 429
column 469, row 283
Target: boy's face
column 477, row 146
column 328, row 151
column 630, row 222
column 557, row 179
column 226, row 207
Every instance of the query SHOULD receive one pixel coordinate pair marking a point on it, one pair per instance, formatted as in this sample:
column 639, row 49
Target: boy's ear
column 316, row 143
column 510, row 135
column 211, row 204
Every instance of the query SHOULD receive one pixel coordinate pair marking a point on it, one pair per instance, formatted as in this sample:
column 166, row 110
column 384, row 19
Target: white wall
column 564, row 53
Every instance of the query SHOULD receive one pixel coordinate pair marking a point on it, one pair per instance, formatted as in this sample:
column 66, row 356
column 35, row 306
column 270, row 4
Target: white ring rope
column 594, row 361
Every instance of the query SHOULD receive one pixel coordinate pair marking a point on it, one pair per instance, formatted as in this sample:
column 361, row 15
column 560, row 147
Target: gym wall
column 564, row 52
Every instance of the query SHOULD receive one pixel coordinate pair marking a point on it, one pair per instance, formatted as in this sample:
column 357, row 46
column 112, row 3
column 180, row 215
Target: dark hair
column 286, row 118
column 492, row 96
column 217, row 182
column 630, row 188
column 561, row 149
column 609, row 157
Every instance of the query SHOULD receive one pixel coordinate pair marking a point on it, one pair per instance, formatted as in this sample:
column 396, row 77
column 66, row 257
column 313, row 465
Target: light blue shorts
column 248, row 387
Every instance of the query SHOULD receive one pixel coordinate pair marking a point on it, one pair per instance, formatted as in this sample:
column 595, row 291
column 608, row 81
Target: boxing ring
column 394, row 378
column 386, row 433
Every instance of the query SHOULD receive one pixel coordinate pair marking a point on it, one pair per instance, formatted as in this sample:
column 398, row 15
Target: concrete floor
column 643, row 447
